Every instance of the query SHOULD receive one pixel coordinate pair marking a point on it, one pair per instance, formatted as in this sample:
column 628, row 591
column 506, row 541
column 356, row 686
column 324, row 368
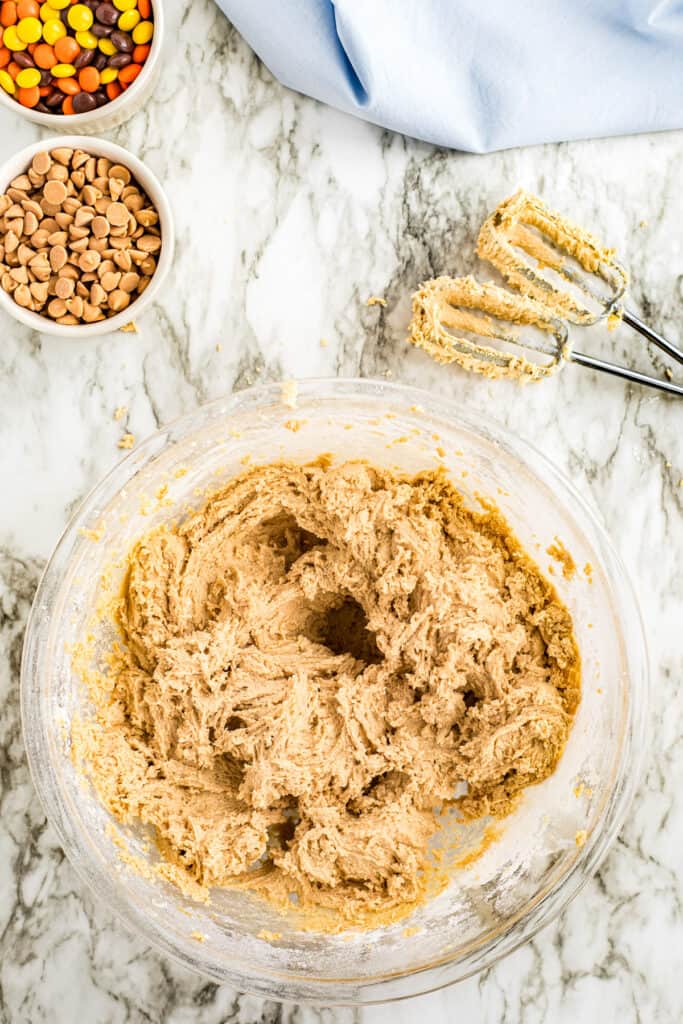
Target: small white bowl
column 111, row 114
column 149, row 182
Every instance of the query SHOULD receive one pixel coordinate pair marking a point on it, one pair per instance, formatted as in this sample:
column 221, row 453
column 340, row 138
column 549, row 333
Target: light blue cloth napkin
column 479, row 75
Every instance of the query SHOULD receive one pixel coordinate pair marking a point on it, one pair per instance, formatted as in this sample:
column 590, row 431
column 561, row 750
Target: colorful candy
column 86, row 40
column 142, row 33
column 63, row 71
column 28, row 78
column 30, row 29
column 7, row 82
column 12, row 40
column 66, row 49
column 89, row 79
column 8, row 13
column 72, row 56
column 80, row 17
column 44, row 56
column 128, row 20
column 27, row 9
column 53, row 30
column 28, row 97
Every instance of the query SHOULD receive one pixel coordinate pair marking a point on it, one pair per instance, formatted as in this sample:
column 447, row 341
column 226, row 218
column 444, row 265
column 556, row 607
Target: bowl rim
column 538, row 911
column 74, row 122
column 154, row 189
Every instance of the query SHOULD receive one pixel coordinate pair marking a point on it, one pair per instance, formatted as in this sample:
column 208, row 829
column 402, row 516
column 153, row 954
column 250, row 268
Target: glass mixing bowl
column 546, row 850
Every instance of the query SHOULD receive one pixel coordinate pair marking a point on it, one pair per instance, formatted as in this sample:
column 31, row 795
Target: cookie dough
column 449, row 313
column 522, row 226
column 310, row 668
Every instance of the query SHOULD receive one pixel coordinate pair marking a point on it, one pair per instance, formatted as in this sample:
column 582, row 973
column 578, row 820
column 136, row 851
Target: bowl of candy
column 84, row 66
column 86, row 236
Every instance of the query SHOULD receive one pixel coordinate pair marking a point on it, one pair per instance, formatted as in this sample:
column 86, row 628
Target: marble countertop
column 289, row 216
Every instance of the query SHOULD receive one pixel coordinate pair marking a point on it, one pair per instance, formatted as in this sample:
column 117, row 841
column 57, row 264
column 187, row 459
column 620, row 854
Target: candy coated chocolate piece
column 106, row 14
column 84, row 58
column 23, row 59
column 83, row 102
column 122, row 41
column 120, row 60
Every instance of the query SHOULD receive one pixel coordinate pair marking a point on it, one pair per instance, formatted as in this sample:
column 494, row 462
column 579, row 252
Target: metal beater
column 560, row 265
column 499, row 333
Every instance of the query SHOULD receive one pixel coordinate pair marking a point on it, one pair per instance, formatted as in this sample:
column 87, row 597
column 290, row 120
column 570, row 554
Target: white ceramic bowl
column 111, row 114
column 148, row 181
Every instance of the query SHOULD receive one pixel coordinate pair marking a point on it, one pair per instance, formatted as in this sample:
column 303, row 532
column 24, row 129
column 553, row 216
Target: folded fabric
column 479, row 75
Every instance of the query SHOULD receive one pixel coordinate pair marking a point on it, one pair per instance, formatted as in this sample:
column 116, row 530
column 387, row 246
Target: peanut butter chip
column 147, row 218
column 117, row 214
column 62, row 155
column 64, row 288
column 39, row 291
column 91, row 313
column 90, row 194
column 83, row 216
column 25, row 253
column 134, row 202
column 41, row 163
column 118, row 300
column 115, row 188
column 99, row 227
column 97, row 294
column 119, row 171
column 55, row 192
column 19, row 274
column 110, row 280
column 57, row 173
column 89, row 260
column 129, row 281
column 75, row 306
column 30, row 223
column 31, row 206
column 122, row 260
column 22, row 296
column 57, row 257
column 149, row 243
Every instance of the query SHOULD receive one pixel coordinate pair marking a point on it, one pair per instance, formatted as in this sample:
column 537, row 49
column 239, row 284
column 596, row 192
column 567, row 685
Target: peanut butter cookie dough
column 310, row 667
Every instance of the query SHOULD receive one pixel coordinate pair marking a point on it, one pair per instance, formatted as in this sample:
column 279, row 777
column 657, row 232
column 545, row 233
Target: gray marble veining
column 289, row 216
